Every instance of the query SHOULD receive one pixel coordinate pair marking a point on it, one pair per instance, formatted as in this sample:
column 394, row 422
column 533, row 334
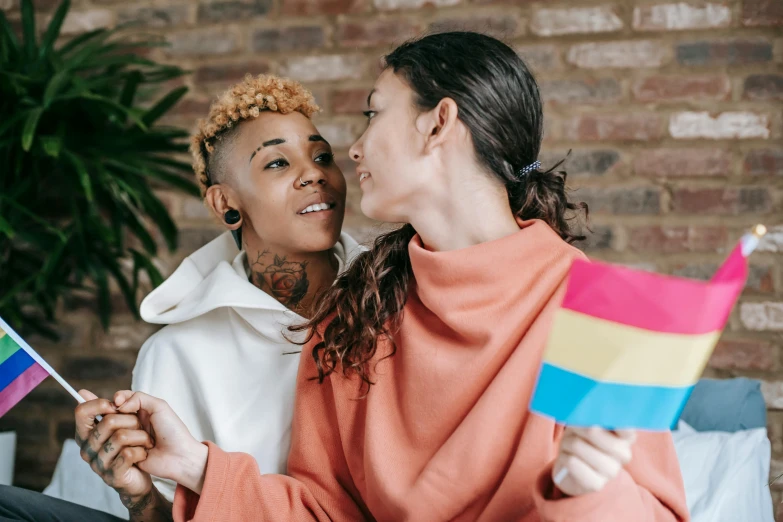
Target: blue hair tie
column 530, row 168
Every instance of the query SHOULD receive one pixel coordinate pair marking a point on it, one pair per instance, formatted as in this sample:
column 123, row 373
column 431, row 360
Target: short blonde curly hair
column 243, row 101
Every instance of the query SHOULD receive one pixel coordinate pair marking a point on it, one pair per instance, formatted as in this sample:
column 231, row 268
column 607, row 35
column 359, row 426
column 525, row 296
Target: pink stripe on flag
column 21, row 386
column 653, row 301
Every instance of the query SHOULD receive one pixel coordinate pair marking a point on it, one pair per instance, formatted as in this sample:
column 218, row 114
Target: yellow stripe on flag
column 2, row 333
column 626, row 354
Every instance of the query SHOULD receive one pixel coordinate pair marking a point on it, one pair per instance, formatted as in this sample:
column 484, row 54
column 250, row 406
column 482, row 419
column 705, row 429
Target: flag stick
column 37, row 358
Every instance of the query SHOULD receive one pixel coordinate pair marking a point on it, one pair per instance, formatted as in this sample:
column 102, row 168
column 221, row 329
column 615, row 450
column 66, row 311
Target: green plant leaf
column 52, row 145
column 9, row 44
column 156, row 278
column 53, row 31
column 30, row 124
column 160, row 108
column 28, row 28
column 130, row 87
column 84, row 175
column 54, row 86
column 81, row 39
column 6, row 228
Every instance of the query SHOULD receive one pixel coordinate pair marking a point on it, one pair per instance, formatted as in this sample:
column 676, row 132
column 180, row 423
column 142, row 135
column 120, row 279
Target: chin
column 322, row 241
column 379, row 210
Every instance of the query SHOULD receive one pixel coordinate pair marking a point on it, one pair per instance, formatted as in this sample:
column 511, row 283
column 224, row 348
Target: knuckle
column 121, row 437
column 127, row 453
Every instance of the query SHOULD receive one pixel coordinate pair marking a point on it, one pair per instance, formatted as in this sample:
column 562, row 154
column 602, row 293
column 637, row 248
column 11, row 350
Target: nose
column 312, row 175
column 355, row 152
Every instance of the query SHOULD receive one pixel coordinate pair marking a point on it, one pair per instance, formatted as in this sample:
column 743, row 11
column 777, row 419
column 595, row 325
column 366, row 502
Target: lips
column 362, row 173
column 317, row 202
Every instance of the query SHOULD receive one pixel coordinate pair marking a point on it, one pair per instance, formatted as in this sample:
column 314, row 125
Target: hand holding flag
column 626, row 349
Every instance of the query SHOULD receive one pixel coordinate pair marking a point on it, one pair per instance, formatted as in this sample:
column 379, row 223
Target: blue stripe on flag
column 579, row 401
column 14, row 366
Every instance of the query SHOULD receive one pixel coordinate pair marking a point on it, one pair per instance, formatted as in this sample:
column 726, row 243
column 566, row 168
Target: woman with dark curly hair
column 413, row 391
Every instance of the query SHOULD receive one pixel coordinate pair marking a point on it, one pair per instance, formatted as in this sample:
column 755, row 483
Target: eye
column 369, row 114
column 277, row 164
column 325, row 158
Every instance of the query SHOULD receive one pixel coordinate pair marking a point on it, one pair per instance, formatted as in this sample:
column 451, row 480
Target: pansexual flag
column 627, row 346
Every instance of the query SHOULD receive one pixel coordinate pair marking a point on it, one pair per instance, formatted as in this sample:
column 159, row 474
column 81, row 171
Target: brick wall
column 672, row 109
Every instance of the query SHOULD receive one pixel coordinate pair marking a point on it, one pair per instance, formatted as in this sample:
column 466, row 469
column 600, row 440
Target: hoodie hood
column 215, row 276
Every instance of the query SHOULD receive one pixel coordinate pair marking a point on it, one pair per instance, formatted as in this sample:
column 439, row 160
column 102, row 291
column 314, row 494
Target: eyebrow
column 280, row 141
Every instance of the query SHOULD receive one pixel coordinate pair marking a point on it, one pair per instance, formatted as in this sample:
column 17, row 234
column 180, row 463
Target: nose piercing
column 303, row 183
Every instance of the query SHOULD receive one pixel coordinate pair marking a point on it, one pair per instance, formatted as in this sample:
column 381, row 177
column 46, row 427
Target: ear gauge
column 232, row 217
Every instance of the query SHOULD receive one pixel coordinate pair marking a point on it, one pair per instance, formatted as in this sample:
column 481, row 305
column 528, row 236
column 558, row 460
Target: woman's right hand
column 113, row 447
column 175, row 454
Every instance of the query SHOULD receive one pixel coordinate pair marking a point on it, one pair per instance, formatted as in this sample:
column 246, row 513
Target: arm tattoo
column 136, row 507
column 161, row 508
column 284, row 280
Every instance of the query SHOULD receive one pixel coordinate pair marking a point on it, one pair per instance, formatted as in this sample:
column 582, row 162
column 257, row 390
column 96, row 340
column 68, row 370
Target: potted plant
column 81, row 150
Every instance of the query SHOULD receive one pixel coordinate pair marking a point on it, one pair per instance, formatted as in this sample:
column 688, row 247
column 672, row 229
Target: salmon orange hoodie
column 445, row 433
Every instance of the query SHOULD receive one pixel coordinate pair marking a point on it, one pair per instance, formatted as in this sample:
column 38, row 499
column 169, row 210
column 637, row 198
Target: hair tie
column 530, row 168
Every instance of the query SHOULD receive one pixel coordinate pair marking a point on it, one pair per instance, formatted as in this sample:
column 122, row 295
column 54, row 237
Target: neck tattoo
column 284, row 280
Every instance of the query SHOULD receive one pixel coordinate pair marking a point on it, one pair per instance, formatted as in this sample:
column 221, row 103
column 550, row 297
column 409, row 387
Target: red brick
column 375, row 33
column 589, row 91
column 764, row 87
column 680, row 88
column 613, row 127
column 212, row 12
column 499, row 26
column 227, row 73
column 680, row 16
column 762, row 12
column 619, row 54
column 540, row 57
column 764, row 162
column 393, row 5
column 575, row 20
column 732, row 201
column 206, row 41
column 191, row 107
column 288, row 39
column 683, row 162
column 620, row 200
column 669, row 240
column 349, row 101
column 322, row 7
column 584, row 163
column 155, row 16
column 724, row 52
column 599, row 237
column 743, row 355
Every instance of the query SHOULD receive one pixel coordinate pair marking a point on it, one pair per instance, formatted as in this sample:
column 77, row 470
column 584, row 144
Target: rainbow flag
column 19, row 372
column 627, row 346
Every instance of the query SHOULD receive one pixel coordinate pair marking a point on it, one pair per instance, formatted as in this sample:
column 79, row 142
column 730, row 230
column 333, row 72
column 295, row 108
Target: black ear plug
column 232, row 217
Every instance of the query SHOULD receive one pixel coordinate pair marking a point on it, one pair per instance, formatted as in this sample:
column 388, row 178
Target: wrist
column 193, row 468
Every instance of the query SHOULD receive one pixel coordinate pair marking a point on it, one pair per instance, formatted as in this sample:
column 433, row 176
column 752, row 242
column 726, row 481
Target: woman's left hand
column 590, row 457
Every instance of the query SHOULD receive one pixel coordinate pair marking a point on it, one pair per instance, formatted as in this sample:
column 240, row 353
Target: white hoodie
column 221, row 361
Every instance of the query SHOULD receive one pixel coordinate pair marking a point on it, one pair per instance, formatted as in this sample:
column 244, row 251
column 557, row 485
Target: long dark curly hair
column 498, row 100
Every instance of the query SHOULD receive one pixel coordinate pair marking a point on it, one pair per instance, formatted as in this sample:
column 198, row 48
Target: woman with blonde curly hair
column 223, row 361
